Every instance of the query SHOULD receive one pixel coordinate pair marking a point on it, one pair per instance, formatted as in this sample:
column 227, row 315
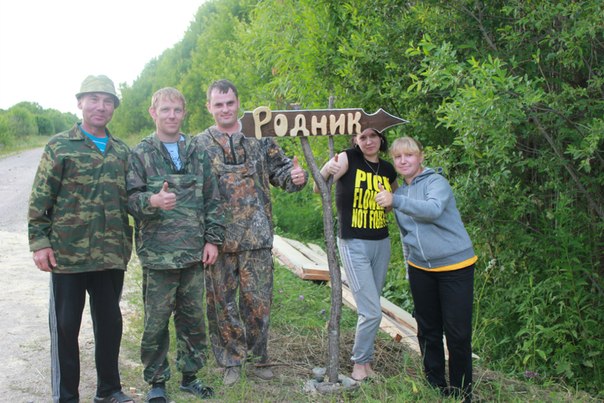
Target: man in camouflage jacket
column 245, row 167
column 174, row 198
column 79, row 232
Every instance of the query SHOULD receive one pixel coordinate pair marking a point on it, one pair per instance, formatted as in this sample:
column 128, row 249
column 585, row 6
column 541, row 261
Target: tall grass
column 298, row 342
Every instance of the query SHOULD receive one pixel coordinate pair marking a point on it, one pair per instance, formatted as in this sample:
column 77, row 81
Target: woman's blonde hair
column 406, row 145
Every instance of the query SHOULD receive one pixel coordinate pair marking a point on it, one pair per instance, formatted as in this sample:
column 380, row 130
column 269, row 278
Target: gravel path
column 25, row 341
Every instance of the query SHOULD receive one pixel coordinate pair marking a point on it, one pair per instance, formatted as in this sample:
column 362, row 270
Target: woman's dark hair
column 384, row 141
column 384, row 145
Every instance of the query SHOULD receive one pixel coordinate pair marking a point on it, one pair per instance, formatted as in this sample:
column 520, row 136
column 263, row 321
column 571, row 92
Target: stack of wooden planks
column 309, row 262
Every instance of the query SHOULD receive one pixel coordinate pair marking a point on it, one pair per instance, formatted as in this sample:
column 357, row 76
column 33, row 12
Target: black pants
column 67, row 301
column 443, row 302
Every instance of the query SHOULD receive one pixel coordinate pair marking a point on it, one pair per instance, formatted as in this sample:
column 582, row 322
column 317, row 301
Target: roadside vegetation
column 27, row 124
column 507, row 98
column 298, row 343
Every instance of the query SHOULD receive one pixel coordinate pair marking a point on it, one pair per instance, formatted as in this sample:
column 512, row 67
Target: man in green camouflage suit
column 245, row 167
column 174, row 198
column 79, row 232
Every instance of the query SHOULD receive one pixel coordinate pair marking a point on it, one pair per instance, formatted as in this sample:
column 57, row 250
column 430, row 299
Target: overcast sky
column 47, row 47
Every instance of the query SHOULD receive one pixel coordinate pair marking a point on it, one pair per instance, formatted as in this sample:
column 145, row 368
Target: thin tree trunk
column 332, row 259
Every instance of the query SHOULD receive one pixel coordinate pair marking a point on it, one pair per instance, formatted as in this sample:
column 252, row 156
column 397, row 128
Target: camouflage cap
column 98, row 84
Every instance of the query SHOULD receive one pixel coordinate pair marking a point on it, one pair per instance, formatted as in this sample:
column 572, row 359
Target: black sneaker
column 198, row 389
column 115, row 397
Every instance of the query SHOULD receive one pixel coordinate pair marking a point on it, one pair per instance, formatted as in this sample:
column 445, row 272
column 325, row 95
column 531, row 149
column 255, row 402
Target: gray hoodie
column 432, row 232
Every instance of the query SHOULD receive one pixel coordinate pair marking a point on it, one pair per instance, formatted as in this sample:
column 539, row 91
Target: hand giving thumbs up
column 298, row 175
column 384, row 197
column 164, row 199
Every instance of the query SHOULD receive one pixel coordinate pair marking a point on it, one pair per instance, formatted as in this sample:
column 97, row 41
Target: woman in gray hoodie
column 440, row 266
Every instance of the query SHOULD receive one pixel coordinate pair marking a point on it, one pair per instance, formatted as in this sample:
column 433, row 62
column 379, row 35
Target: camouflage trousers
column 239, row 289
column 178, row 291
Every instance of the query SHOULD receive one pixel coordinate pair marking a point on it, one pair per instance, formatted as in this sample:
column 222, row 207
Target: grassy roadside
column 298, row 343
column 24, row 143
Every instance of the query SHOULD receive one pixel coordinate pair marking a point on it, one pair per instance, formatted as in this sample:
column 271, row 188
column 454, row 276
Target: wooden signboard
column 263, row 122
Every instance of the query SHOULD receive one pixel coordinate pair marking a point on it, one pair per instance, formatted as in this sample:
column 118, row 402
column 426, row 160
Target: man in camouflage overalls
column 245, row 168
column 79, row 232
column 174, row 197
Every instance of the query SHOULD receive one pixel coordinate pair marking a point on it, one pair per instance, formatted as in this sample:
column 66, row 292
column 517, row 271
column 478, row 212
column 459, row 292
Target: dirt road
column 25, row 341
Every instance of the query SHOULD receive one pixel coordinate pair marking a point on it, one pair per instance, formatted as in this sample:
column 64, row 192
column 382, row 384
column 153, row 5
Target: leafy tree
column 6, row 139
column 21, row 121
column 214, row 57
column 45, row 125
column 60, row 121
column 516, row 129
column 33, row 107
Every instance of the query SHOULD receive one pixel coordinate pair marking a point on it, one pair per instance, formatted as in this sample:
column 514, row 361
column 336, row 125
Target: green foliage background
column 25, row 119
column 507, row 97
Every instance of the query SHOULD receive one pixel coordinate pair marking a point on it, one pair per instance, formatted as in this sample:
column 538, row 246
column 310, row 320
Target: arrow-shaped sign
column 263, row 122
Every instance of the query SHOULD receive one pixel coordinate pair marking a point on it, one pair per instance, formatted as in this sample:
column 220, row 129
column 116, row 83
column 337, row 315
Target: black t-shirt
column 359, row 215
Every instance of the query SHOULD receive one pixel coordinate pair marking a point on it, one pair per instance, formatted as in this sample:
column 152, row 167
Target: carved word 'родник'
column 263, row 122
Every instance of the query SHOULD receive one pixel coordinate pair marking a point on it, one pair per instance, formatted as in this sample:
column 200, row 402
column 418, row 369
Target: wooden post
column 333, row 337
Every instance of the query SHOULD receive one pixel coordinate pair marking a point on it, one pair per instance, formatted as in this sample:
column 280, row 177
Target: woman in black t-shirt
column 363, row 240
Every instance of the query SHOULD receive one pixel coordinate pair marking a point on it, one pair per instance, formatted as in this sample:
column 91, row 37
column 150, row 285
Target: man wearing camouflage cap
column 79, row 233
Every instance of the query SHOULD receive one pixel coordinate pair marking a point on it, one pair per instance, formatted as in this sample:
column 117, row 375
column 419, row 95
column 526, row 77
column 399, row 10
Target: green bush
column 298, row 213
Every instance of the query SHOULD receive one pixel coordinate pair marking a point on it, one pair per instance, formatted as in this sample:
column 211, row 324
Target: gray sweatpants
column 366, row 264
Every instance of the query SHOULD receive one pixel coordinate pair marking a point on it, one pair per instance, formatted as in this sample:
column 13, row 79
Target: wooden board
column 302, row 260
column 309, row 262
column 264, row 122
column 400, row 333
column 398, row 314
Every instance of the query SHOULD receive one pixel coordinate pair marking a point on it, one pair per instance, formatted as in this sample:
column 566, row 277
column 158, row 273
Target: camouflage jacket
column 78, row 204
column 173, row 239
column 245, row 168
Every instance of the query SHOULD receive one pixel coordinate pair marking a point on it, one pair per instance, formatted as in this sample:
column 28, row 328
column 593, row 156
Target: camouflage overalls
column 170, row 247
column 245, row 168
